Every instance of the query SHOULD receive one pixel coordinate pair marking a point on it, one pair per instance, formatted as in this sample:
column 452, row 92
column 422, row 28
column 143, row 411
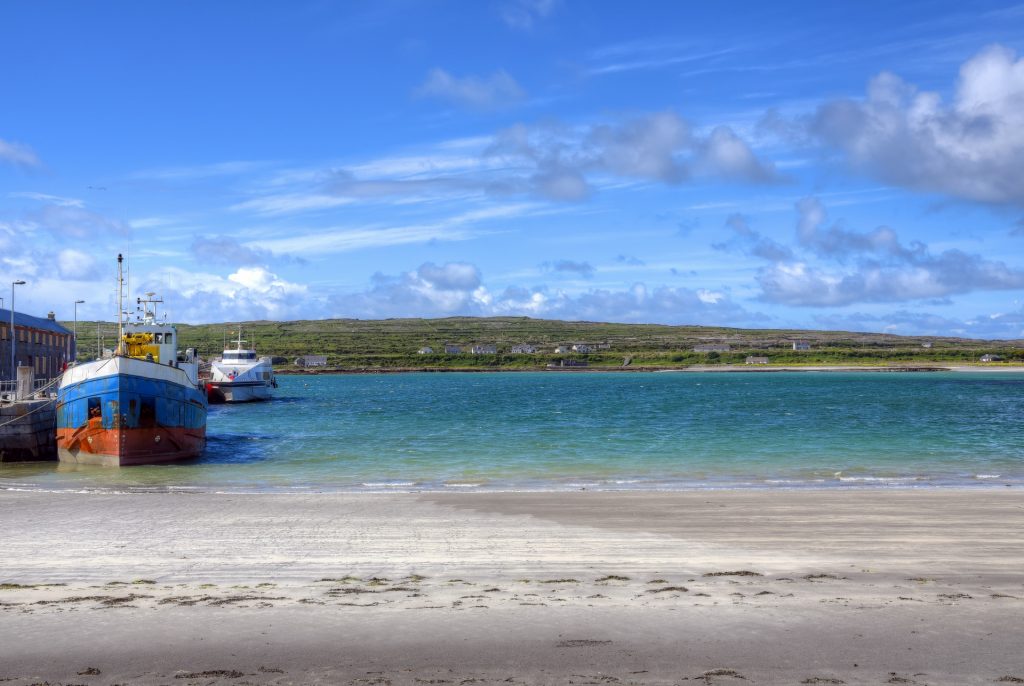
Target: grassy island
column 394, row 344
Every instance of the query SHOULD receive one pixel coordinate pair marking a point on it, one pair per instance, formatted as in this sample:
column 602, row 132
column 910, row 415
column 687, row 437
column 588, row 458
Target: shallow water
column 566, row 431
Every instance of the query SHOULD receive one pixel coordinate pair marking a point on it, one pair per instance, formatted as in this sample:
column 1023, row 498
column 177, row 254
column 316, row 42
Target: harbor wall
column 28, row 431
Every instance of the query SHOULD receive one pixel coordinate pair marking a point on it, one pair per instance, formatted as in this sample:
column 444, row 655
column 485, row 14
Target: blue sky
column 815, row 165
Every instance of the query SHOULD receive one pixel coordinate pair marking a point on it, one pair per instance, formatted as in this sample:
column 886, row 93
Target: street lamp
column 14, row 338
column 74, row 340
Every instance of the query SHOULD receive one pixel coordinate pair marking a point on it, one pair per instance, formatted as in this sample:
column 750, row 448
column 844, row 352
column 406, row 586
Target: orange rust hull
column 124, row 447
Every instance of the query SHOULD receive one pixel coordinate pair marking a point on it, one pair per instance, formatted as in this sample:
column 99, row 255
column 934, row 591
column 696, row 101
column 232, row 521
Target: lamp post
column 14, row 337
column 74, row 340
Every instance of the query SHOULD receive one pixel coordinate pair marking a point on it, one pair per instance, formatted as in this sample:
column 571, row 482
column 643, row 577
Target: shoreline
column 723, row 587
column 762, row 369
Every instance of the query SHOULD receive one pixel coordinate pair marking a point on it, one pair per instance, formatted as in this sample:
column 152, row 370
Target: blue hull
column 125, row 419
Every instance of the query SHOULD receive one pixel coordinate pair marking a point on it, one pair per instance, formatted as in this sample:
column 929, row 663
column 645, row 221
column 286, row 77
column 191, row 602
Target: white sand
column 858, row 586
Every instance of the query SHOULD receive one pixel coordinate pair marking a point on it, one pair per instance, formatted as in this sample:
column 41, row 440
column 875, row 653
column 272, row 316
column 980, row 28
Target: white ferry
column 239, row 376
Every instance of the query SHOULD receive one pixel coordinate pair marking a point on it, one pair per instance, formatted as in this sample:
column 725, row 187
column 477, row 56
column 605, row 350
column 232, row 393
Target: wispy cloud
column 339, row 239
column 52, row 199
column 204, row 171
column 524, row 15
column 290, row 203
column 477, row 92
column 19, row 154
column 657, row 61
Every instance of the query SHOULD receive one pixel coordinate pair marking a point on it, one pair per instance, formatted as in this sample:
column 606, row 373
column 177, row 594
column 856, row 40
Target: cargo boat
column 239, row 376
column 143, row 405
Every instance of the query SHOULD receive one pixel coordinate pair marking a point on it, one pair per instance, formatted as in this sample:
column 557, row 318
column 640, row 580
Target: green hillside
column 352, row 344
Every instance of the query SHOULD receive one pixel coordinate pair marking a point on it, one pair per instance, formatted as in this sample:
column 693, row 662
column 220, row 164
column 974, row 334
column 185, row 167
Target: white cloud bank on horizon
column 861, row 267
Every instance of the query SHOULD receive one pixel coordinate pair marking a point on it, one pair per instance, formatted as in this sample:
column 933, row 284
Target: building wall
column 46, row 351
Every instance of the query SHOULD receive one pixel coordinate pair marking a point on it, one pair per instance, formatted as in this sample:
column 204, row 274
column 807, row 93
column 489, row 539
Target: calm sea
column 568, row 431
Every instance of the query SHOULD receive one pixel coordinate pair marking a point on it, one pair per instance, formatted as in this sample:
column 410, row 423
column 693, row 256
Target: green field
column 352, row 344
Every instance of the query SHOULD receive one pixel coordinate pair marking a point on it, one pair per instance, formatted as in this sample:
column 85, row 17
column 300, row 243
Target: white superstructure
column 240, row 376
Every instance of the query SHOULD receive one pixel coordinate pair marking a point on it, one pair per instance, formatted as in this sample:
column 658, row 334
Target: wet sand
column 719, row 587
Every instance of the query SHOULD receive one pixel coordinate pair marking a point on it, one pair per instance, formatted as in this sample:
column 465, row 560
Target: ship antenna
column 120, row 304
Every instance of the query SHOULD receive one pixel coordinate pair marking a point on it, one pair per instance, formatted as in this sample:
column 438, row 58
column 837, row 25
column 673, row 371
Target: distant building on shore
column 42, row 344
column 311, row 361
column 522, row 349
column 425, row 350
column 561, row 349
column 712, row 348
column 926, row 344
column 486, row 349
column 754, row 359
column 452, row 349
column 991, row 358
column 581, row 348
column 801, row 345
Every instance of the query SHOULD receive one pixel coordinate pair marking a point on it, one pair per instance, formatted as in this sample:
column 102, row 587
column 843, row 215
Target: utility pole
column 14, row 338
column 74, row 358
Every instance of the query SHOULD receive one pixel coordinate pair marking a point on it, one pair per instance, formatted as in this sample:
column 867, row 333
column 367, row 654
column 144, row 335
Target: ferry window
column 147, row 412
column 158, row 338
column 169, row 339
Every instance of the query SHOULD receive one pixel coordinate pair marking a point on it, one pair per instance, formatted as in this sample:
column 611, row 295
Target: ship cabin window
column 94, row 410
column 158, row 338
column 168, row 338
column 237, row 356
column 147, row 412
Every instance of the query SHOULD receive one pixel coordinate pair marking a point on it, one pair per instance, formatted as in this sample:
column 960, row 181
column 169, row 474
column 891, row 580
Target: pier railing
column 41, row 388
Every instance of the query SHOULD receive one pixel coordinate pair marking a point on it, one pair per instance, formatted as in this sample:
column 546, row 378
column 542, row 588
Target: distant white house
column 561, row 350
column 712, row 348
column 425, row 350
column 311, row 361
column 801, row 345
column 581, row 348
column 754, row 359
column 604, row 346
column 926, row 344
column 991, row 358
column 488, row 349
column 522, row 349
column 452, row 349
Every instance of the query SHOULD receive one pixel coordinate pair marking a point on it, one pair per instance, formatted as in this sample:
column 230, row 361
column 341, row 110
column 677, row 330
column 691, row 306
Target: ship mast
column 120, row 305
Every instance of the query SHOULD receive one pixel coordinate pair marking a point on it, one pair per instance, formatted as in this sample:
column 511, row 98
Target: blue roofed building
column 41, row 343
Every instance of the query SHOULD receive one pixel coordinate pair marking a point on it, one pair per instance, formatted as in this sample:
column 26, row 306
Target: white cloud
column 201, row 171
column 76, row 265
column 74, row 222
column 882, row 270
column 290, row 203
column 525, row 14
column 248, row 293
column 19, row 154
column 459, row 227
column 458, row 289
column 484, row 93
column 970, row 148
column 52, row 199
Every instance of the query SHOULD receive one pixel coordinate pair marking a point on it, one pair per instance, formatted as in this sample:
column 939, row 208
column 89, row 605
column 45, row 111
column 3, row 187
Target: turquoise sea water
column 566, row 431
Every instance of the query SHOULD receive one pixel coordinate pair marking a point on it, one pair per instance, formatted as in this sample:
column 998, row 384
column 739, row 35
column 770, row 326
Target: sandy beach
column 718, row 587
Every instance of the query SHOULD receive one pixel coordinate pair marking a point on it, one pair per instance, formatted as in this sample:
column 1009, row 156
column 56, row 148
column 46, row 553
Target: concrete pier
column 28, row 425
column 28, row 430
